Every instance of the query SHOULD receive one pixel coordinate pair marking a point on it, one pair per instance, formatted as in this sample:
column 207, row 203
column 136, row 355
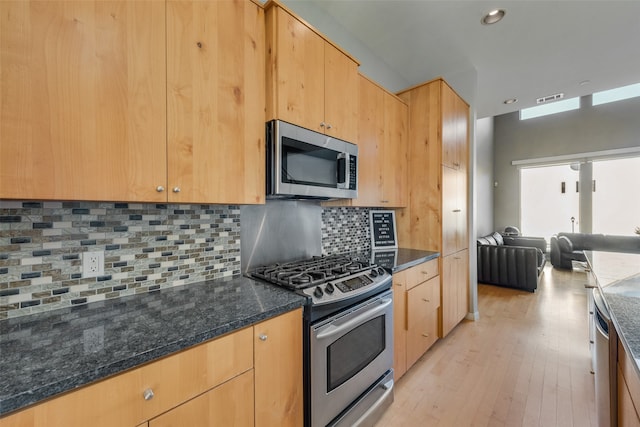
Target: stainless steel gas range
column 348, row 336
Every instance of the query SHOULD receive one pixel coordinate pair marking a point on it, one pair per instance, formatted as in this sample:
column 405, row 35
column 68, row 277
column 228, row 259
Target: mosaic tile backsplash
column 146, row 247
column 345, row 229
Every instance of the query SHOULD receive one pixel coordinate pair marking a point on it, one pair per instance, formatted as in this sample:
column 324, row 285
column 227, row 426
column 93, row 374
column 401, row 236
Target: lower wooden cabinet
column 229, row 404
column 628, row 390
column 455, row 290
column 213, row 381
column 416, row 313
column 422, row 318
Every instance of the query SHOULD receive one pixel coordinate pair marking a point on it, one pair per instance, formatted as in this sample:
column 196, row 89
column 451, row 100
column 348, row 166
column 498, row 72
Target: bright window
column 552, row 108
column 617, row 94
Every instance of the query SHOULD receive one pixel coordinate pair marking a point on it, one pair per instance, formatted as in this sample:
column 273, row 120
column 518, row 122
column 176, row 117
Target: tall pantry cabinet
column 437, row 213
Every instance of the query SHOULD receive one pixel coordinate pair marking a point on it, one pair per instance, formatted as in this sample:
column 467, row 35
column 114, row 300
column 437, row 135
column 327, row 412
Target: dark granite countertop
column 49, row 353
column 396, row 260
column 618, row 277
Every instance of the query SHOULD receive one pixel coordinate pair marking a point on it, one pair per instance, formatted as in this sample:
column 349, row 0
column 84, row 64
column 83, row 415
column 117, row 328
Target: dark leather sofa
column 568, row 247
column 512, row 261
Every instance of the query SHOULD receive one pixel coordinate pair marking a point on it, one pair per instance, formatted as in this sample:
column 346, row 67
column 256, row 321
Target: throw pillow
column 498, row 238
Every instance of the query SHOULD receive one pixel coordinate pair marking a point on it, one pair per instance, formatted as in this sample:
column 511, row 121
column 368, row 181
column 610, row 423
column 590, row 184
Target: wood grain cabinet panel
column 437, row 214
column 416, row 303
column 382, row 149
column 310, row 82
column 399, row 323
column 215, row 102
column 278, row 371
column 628, row 390
column 82, row 105
column 132, row 101
column 229, row 404
column 422, row 318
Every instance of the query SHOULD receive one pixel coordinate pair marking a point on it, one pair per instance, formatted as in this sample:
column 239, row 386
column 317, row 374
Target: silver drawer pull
column 425, row 300
column 262, row 337
column 148, row 394
column 159, row 188
column 425, row 335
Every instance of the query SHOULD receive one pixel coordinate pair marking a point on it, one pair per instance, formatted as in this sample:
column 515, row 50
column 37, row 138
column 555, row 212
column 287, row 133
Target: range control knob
column 317, row 292
column 374, row 273
column 381, row 271
column 329, row 288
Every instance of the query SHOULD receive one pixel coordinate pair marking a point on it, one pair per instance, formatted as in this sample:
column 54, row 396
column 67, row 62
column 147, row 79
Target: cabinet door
column 278, row 371
column 82, row 105
column 422, row 318
column 215, row 102
column 295, row 71
column 454, row 290
column 230, row 404
column 370, row 140
column 399, row 323
column 393, row 157
column 340, row 94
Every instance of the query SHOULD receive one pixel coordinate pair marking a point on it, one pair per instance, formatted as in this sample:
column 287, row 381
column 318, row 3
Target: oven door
column 350, row 353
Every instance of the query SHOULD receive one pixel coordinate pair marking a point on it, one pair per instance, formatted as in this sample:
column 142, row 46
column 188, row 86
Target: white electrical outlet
column 93, row 264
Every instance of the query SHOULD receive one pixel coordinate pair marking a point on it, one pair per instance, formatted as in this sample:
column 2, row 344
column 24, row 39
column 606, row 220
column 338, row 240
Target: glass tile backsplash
column 146, row 247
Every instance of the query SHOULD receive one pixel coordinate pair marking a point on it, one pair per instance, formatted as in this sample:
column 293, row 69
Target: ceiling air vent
column 550, row 98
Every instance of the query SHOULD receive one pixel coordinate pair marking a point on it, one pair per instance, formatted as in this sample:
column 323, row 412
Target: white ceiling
column 538, row 49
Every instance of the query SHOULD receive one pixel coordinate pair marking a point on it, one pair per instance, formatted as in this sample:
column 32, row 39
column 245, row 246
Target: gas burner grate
column 311, row 272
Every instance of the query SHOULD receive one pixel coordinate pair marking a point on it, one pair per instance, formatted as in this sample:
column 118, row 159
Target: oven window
column 353, row 351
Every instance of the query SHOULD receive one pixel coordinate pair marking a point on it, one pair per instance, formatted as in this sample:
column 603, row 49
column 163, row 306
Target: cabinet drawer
column 424, row 298
column 119, row 401
column 229, row 404
column 421, row 273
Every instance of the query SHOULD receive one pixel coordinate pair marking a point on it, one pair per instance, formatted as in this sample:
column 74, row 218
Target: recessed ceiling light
column 510, row 101
column 493, row 16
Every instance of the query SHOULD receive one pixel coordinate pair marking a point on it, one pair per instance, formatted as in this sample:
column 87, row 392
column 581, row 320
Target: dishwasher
column 604, row 360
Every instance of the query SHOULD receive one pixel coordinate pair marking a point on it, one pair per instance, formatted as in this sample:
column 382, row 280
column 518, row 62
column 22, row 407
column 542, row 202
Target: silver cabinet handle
column 329, row 126
column 159, row 188
column 425, row 300
column 147, row 394
column 322, row 124
column 425, row 335
column 262, row 337
column 457, row 210
column 176, row 189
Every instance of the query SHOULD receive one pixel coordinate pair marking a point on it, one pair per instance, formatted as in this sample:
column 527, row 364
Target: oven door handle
column 332, row 329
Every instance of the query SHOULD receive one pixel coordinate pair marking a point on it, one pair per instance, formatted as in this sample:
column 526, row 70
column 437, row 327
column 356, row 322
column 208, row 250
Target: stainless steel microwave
column 304, row 164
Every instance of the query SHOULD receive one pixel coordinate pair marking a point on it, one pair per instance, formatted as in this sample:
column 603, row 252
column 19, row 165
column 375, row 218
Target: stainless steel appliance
column 604, row 363
column 304, row 164
column 348, row 325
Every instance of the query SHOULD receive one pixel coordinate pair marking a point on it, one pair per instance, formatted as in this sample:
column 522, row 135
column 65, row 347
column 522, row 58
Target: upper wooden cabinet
column 215, row 123
column 82, row 105
column 382, row 148
column 454, row 130
column 310, row 81
column 132, row 101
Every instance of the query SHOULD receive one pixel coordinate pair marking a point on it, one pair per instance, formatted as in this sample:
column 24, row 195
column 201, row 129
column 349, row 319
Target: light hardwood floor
column 525, row 362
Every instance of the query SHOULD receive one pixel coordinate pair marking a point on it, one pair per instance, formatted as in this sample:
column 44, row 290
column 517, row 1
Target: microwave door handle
column 343, row 177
